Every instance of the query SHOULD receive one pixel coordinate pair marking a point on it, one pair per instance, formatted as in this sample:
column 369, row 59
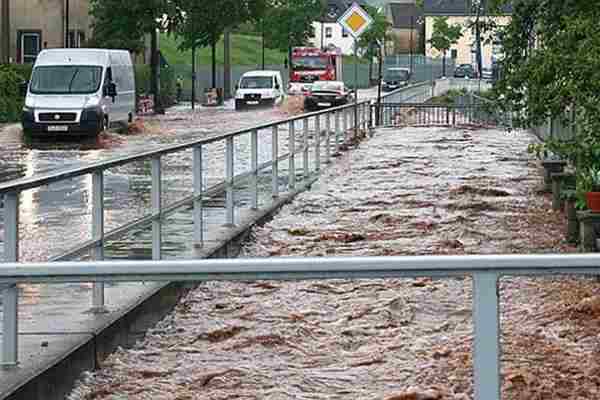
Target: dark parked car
column 465, row 71
column 325, row 94
column 395, row 78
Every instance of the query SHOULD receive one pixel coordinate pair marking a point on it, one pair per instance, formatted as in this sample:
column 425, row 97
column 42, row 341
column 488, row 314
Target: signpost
column 355, row 21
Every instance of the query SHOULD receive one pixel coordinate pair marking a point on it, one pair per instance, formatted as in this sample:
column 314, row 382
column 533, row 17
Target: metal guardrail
column 418, row 114
column 484, row 270
column 337, row 121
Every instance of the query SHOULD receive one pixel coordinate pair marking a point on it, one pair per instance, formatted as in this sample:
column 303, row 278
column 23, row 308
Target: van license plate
column 324, row 104
column 252, row 102
column 58, row 128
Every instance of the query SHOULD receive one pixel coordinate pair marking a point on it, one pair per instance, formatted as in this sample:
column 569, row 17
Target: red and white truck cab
column 311, row 64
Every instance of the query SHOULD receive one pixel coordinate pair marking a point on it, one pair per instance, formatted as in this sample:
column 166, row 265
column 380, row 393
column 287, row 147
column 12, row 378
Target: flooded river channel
column 414, row 191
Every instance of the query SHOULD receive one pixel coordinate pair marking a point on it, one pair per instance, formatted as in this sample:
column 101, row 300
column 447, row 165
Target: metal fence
column 309, row 140
column 484, row 270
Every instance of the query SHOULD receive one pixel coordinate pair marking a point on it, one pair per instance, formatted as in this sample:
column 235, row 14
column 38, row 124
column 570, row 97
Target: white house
column 328, row 32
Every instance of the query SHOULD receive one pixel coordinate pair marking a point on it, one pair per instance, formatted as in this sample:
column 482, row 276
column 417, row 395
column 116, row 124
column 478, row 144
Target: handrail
column 300, row 268
column 73, row 172
column 485, row 270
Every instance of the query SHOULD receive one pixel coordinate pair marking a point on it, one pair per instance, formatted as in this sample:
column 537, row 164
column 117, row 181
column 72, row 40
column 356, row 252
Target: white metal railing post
column 254, row 166
column 156, row 208
column 328, row 139
column 344, row 124
column 275, row 157
column 306, row 122
column 198, row 189
column 486, row 358
column 98, row 304
column 292, row 159
column 318, row 143
column 337, row 132
column 10, row 295
column 229, row 206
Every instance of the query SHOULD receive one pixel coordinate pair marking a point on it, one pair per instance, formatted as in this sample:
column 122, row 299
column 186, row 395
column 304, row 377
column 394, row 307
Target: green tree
column 377, row 34
column 444, row 36
column 551, row 69
column 205, row 21
column 288, row 23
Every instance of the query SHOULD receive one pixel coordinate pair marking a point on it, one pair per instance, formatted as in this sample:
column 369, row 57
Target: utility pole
column 194, row 76
column 412, row 27
column 67, row 24
column 155, row 67
column 227, row 64
column 263, row 43
column 5, row 34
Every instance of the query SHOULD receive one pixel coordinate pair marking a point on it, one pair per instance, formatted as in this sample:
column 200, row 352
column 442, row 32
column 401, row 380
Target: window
column 454, row 54
column 76, row 38
column 344, row 32
column 28, row 46
column 329, row 33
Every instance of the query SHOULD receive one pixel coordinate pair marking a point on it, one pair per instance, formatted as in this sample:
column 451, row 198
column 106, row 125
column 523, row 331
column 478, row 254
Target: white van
column 79, row 91
column 259, row 88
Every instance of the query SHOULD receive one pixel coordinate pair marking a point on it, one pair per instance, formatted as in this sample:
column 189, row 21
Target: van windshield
column 75, row 79
column 396, row 74
column 257, row 82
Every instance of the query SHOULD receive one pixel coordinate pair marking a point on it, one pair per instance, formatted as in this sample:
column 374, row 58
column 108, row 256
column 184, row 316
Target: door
column 30, row 46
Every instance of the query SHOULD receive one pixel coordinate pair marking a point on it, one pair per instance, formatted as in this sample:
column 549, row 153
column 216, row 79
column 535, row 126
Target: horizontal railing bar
column 301, row 268
column 69, row 173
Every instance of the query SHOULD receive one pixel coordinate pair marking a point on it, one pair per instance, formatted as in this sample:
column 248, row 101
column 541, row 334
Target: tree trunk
column 214, row 64
column 227, row 65
column 155, row 68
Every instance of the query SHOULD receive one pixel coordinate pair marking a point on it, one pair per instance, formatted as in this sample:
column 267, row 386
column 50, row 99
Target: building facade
column 406, row 27
column 465, row 50
column 29, row 26
column 327, row 32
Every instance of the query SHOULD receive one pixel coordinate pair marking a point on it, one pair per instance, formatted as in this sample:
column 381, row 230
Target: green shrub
column 11, row 101
column 167, row 83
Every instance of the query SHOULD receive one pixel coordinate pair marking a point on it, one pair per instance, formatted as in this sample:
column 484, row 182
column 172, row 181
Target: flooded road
column 55, row 217
column 413, row 191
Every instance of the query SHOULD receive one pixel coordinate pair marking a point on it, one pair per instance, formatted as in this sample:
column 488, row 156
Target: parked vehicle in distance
column 79, row 92
column 259, row 88
column 395, row 78
column 487, row 73
column 465, row 71
column 325, row 94
column 311, row 64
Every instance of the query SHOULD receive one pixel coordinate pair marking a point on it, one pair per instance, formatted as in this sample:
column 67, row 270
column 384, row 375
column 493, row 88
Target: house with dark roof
column 328, row 32
column 462, row 12
column 406, row 21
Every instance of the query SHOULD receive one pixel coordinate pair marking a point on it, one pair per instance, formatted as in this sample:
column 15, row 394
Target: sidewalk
column 403, row 192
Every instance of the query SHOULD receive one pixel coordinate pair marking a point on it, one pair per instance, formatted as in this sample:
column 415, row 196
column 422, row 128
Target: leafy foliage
column 288, row 23
column 552, row 70
column 205, row 21
column 119, row 24
column 11, row 101
column 378, row 31
column 444, row 35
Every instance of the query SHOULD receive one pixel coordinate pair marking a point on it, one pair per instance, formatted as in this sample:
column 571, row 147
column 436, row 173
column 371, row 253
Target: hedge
column 11, row 75
column 11, row 101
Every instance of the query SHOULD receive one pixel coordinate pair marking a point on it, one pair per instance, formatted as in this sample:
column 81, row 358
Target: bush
column 167, row 83
column 11, row 101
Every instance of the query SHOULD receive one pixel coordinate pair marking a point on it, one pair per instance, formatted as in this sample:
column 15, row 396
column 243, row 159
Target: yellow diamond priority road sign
column 355, row 20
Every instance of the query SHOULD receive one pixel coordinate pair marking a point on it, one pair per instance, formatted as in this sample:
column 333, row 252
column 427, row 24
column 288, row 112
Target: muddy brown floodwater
column 414, row 191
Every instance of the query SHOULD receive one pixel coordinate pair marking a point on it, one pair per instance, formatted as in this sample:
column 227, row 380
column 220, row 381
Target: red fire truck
column 310, row 64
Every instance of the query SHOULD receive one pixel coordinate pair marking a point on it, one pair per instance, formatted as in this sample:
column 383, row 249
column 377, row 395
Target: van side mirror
column 23, row 88
column 237, row 87
column 277, row 87
column 110, row 90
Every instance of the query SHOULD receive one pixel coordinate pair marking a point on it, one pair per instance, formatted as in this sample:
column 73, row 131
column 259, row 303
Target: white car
column 259, row 88
column 79, row 91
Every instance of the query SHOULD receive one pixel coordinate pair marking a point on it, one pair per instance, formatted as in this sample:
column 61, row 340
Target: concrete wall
column 464, row 46
column 47, row 18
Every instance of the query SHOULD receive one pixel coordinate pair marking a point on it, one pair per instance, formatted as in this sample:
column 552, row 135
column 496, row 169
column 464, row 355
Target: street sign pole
column 355, row 21
column 356, row 86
